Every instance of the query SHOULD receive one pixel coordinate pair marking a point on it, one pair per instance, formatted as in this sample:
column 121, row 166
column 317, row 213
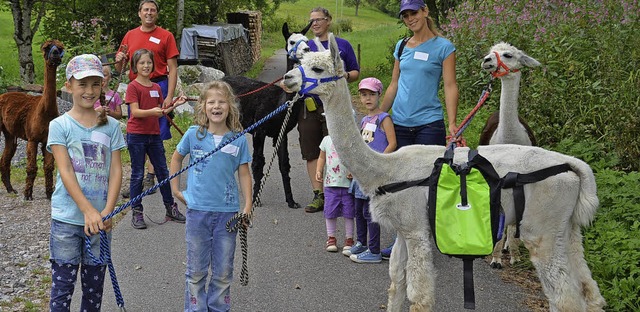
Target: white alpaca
column 296, row 42
column 555, row 207
column 505, row 126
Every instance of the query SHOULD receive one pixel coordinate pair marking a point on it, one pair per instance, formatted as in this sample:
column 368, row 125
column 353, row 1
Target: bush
column 343, row 25
column 587, row 87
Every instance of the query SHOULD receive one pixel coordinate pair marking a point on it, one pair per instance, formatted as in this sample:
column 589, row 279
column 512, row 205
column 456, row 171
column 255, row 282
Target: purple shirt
column 346, row 53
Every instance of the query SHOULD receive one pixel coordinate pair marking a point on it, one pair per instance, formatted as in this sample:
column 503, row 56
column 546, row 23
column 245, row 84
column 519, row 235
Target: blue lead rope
column 105, row 250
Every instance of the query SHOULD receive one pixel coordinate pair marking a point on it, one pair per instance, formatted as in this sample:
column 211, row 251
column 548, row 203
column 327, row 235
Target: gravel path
column 24, row 240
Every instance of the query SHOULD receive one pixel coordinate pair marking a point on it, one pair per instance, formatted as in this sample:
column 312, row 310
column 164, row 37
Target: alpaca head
column 296, row 42
column 318, row 71
column 504, row 59
column 53, row 51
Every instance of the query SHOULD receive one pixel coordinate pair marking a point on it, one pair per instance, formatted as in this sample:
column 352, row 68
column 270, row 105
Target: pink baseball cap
column 85, row 65
column 372, row 84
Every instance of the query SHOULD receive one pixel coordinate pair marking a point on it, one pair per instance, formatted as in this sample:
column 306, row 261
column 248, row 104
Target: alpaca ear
column 335, row 51
column 304, row 30
column 529, row 61
column 285, row 31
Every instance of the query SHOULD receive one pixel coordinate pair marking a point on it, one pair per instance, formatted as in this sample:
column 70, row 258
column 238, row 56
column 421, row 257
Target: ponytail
column 432, row 26
column 102, row 118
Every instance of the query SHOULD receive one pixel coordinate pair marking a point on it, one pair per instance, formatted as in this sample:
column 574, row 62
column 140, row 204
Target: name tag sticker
column 154, row 93
column 230, row 149
column 101, row 138
column 421, row 56
column 371, row 127
column 154, row 40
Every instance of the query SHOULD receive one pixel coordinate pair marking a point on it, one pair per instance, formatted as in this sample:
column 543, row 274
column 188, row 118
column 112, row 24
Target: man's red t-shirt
column 159, row 41
column 147, row 98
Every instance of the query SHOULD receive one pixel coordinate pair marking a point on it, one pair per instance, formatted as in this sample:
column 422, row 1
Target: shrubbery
column 583, row 101
column 589, row 84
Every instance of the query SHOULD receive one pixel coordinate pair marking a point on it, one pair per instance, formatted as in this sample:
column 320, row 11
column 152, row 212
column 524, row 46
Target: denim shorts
column 67, row 244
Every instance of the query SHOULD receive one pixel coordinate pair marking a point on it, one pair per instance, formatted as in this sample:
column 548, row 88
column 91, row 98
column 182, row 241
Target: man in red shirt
column 165, row 58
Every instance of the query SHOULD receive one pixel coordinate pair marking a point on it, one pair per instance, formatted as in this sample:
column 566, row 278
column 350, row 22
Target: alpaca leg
column 496, row 260
column 257, row 165
column 513, row 244
column 549, row 255
column 285, row 168
column 421, row 274
column 10, row 146
column 397, row 273
column 595, row 301
column 48, row 171
column 32, row 169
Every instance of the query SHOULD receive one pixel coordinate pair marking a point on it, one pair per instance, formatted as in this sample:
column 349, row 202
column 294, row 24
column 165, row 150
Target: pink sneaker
column 331, row 244
column 348, row 243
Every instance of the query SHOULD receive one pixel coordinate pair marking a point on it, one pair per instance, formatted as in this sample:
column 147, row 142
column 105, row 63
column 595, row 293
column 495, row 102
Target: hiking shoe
column 149, row 181
column 317, row 204
column 366, row 257
column 386, row 253
column 348, row 243
column 173, row 213
column 331, row 244
column 137, row 219
column 354, row 250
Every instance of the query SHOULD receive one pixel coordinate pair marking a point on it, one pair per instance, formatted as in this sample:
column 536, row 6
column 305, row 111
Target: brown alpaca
column 27, row 117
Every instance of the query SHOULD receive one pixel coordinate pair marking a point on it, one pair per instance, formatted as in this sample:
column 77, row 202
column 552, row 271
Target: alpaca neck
column 363, row 163
column 49, row 97
column 509, row 104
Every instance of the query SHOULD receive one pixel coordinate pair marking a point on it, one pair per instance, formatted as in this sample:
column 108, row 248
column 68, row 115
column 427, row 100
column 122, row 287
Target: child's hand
column 121, row 56
column 107, row 223
column 92, row 222
column 319, row 176
column 101, row 108
column 157, row 111
column 180, row 197
column 180, row 100
column 247, row 223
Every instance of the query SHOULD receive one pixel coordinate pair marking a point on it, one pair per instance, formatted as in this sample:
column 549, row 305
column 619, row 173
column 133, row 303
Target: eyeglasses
column 317, row 20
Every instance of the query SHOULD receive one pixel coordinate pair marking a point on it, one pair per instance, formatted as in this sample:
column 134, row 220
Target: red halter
column 501, row 65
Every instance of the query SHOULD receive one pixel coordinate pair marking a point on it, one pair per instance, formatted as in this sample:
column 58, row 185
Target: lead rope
column 453, row 141
column 105, row 252
column 240, row 221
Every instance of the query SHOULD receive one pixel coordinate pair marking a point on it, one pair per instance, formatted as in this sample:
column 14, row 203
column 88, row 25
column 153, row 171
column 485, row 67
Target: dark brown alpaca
column 27, row 117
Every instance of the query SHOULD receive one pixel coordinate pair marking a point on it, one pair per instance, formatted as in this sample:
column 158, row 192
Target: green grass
column 373, row 32
column 9, row 56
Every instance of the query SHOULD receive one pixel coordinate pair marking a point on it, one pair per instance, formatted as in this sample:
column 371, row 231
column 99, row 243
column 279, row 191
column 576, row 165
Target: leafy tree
column 25, row 27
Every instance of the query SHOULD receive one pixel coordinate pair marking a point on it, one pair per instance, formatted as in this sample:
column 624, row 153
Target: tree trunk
column 180, row 19
column 357, row 6
column 23, row 35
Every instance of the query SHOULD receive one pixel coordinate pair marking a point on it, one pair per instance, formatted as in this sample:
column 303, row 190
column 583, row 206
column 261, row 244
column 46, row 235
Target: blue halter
column 313, row 82
column 292, row 53
column 58, row 59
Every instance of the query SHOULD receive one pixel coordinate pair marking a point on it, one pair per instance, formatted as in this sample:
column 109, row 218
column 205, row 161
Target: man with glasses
column 311, row 124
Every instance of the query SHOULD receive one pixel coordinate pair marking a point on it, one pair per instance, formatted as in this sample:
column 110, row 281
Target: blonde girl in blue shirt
column 212, row 196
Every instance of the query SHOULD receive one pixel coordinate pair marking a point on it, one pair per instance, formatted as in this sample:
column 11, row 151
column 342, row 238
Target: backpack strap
column 516, row 181
column 399, row 186
column 402, row 44
column 469, row 293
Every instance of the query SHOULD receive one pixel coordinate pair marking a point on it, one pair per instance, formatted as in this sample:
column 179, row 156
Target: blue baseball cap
column 413, row 5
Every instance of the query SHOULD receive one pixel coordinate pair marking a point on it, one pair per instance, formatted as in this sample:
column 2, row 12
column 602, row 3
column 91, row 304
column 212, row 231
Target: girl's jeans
column 67, row 251
column 363, row 219
column 147, row 144
column 209, row 245
column 429, row 134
